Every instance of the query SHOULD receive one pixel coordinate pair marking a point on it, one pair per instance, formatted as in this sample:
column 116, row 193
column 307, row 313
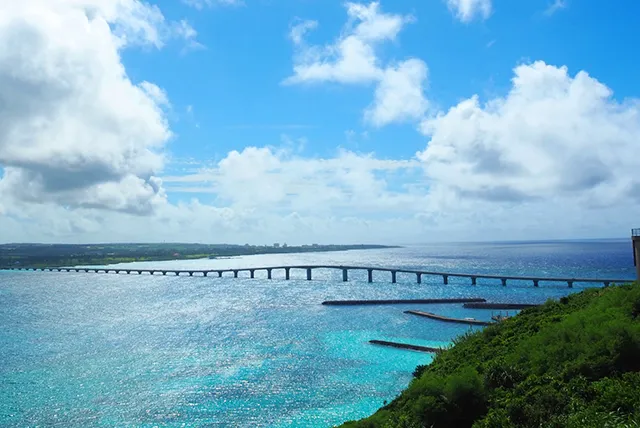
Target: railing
column 635, row 232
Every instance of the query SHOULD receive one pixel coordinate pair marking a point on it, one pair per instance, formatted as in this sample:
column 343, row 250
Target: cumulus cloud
column 73, row 127
column 353, row 59
column 468, row 10
column 399, row 95
column 259, row 177
column 552, row 136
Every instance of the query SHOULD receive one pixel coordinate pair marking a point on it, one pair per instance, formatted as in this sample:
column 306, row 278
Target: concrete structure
column 635, row 239
column 369, row 269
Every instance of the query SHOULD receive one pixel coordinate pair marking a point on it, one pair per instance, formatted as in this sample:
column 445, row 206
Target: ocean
column 81, row 350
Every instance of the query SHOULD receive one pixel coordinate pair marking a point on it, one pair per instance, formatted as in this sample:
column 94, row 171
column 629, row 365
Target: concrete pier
column 370, row 275
column 393, row 276
column 489, row 305
column 309, row 274
column 269, row 273
column 448, row 319
column 406, row 346
column 287, row 273
column 401, row 301
column 345, row 275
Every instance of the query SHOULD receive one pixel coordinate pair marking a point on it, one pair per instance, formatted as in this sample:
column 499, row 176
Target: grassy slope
column 569, row 363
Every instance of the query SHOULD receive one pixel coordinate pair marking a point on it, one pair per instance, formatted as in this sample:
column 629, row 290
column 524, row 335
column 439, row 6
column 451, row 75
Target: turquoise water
column 129, row 350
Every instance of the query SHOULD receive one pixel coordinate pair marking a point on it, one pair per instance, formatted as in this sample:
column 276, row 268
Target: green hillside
column 568, row 363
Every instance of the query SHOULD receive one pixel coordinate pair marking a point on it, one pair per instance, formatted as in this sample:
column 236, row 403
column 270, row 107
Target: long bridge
column 419, row 274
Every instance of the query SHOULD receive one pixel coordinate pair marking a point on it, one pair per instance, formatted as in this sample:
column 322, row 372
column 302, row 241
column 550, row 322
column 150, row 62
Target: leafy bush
column 568, row 363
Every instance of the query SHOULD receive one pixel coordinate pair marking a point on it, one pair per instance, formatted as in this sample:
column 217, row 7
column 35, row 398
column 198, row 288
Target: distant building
column 314, row 245
column 284, row 245
column 276, row 245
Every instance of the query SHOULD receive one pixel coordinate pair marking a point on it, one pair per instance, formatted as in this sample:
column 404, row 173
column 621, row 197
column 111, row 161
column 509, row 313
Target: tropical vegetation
column 568, row 363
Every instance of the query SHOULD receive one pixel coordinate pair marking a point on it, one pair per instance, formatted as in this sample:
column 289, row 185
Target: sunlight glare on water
column 137, row 350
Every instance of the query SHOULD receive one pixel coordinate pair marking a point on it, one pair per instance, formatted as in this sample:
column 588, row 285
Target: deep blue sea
column 81, row 350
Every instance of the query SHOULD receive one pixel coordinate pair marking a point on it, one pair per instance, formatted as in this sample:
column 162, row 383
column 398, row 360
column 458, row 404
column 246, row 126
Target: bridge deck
column 344, row 269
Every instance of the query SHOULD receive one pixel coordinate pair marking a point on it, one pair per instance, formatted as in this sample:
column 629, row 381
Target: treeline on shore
column 570, row 363
column 54, row 255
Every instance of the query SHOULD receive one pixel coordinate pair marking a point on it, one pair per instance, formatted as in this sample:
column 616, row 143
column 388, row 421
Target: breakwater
column 399, row 301
column 448, row 319
column 406, row 346
column 490, row 305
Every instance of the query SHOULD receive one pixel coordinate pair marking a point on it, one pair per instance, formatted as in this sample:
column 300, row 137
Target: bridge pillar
column 345, row 275
column 252, row 273
column 268, row 273
column 128, row 272
column 164, row 272
column 235, row 273
column 287, row 273
column 504, row 281
column 204, row 273
column 139, row 272
column 190, row 273
column 308, row 274
column 393, row 276
column 474, row 280
column 606, row 283
column 570, row 284
column 445, row 278
column 370, row 275
column 536, row 283
column 219, row 274
column 635, row 240
column 419, row 278
column 151, row 272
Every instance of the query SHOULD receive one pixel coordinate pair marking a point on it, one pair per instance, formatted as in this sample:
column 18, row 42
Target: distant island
column 54, row 255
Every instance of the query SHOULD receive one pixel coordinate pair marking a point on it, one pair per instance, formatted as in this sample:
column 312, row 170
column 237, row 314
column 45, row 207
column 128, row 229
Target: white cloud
column 267, row 177
column 467, row 10
column 300, row 29
column 156, row 93
column 552, row 136
column 555, row 7
column 74, row 129
column 352, row 59
column 201, row 4
column 399, row 95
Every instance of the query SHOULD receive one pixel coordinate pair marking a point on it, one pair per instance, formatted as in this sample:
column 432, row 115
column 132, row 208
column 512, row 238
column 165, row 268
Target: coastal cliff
column 568, row 363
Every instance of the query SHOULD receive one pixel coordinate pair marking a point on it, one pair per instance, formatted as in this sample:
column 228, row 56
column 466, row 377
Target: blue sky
column 234, row 84
column 309, row 120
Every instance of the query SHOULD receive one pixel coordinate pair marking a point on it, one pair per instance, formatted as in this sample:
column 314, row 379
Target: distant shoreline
column 57, row 255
